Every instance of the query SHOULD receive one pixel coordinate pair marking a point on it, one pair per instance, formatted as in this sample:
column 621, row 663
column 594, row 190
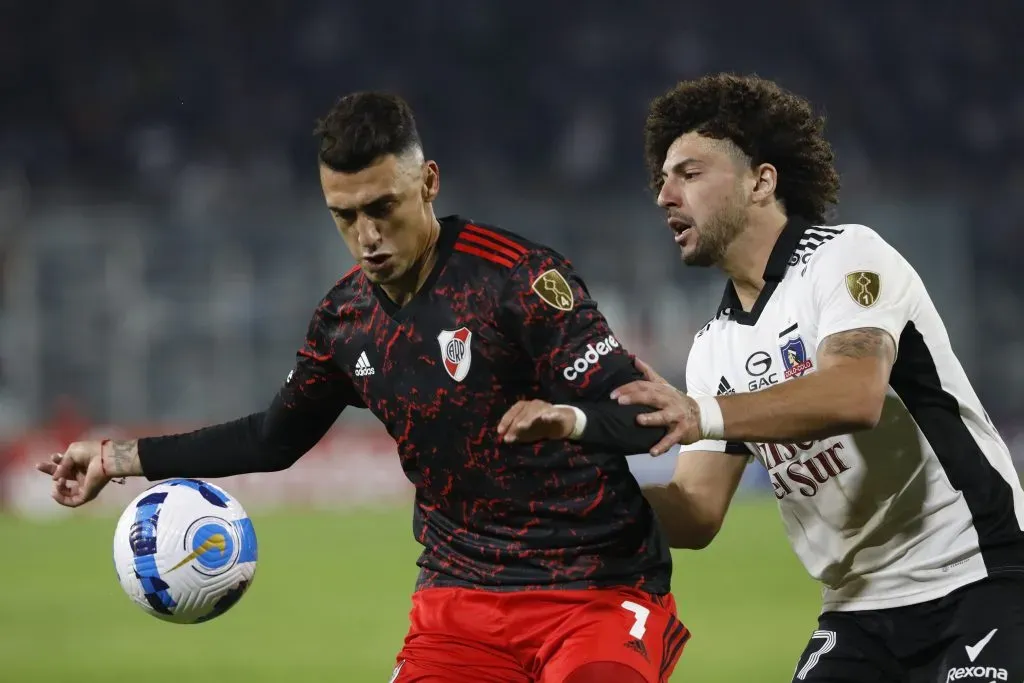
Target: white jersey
column 906, row 512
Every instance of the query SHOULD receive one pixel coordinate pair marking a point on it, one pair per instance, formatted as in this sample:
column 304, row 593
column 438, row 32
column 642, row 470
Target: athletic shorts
column 975, row 634
column 460, row 635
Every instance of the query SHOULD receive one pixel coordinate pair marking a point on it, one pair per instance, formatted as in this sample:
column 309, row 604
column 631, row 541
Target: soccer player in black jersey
column 457, row 336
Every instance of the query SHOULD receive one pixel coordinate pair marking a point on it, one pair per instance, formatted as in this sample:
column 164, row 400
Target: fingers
column 659, row 418
column 648, row 372
column 47, row 467
column 523, row 422
column 625, row 390
column 671, row 439
column 68, row 493
column 509, row 418
column 65, row 468
column 646, row 394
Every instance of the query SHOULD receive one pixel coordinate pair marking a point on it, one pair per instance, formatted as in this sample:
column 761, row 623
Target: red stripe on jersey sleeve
column 493, row 246
column 500, row 239
column 486, row 255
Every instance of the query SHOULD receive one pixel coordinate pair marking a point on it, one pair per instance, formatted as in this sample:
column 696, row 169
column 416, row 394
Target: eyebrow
column 390, row 196
column 680, row 165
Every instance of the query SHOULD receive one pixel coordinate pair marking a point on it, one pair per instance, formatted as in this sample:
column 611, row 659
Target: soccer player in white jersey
column 828, row 363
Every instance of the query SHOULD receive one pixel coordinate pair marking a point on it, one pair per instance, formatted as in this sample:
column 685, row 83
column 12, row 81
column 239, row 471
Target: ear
column 431, row 181
column 766, row 179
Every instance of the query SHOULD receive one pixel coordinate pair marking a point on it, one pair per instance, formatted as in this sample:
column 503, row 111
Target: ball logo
column 211, row 545
column 590, row 357
column 456, row 353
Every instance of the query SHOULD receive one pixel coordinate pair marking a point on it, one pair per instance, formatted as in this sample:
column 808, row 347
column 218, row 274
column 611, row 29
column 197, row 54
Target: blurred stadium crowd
column 162, row 244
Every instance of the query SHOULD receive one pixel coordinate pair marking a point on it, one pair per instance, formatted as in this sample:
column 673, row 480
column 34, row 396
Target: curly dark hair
column 766, row 122
column 362, row 127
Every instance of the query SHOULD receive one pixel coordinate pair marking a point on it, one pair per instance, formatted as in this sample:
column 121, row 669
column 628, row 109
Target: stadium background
column 162, row 245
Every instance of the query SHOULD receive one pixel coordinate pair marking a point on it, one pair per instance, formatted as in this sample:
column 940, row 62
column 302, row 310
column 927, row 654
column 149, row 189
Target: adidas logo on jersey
column 363, row 367
column 724, row 387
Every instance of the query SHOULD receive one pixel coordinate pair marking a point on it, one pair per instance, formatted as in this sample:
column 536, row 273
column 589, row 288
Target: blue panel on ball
column 142, row 539
column 212, row 495
column 247, row 539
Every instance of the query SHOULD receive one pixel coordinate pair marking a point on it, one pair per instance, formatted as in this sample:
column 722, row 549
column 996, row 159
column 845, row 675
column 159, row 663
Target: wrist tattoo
column 122, row 457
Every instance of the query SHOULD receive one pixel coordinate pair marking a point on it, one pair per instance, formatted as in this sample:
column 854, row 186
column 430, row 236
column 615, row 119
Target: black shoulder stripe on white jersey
column 812, row 238
column 705, row 327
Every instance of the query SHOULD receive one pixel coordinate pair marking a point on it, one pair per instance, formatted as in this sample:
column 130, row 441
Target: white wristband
column 581, row 422
column 712, row 424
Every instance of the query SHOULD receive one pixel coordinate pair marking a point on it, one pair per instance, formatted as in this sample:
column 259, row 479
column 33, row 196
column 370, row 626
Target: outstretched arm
column 300, row 414
column 845, row 395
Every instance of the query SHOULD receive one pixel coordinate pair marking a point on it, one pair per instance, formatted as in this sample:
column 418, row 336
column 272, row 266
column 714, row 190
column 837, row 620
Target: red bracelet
column 103, row 465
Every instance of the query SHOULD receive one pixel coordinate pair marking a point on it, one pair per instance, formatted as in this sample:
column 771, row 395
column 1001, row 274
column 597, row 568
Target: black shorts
column 973, row 635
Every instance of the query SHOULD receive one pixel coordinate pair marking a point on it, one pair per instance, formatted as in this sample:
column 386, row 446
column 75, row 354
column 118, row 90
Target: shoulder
column 856, row 249
column 516, row 260
column 501, row 246
column 705, row 337
column 824, row 244
column 347, row 291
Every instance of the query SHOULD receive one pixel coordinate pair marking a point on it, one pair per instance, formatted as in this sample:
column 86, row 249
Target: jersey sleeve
column 547, row 309
column 315, row 377
column 698, row 383
column 861, row 281
column 301, row 413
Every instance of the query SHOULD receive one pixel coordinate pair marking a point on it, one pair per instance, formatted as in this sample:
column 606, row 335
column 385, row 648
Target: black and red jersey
column 499, row 319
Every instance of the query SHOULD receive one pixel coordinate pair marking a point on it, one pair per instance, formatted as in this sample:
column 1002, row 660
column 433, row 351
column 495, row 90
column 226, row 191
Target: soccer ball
column 185, row 551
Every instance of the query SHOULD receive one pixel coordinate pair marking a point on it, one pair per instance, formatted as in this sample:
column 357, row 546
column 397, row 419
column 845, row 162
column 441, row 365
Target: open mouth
column 377, row 260
column 680, row 227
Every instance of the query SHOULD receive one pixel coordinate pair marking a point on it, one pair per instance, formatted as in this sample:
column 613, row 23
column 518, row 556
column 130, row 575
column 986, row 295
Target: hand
column 529, row 421
column 673, row 409
column 81, row 472
column 649, row 374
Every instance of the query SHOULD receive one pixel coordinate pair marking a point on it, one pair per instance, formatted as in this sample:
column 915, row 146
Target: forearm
column 121, row 458
column 223, row 450
column 263, row 442
column 614, row 427
column 692, row 504
column 839, row 400
column 684, row 521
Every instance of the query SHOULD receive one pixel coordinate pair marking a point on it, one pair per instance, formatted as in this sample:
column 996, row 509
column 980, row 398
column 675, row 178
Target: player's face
column 704, row 197
column 384, row 214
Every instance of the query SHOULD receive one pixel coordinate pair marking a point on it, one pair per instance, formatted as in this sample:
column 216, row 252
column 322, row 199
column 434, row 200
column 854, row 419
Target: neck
column 747, row 257
column 404, row 288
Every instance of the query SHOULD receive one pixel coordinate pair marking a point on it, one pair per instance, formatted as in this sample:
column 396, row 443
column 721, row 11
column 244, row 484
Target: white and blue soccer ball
column 185, row 551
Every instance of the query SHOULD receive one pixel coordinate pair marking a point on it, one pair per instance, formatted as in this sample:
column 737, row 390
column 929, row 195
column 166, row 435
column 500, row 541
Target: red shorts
column 460, row 635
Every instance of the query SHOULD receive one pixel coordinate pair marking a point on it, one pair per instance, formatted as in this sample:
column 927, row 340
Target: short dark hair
column 364, row 126
column 769, row 124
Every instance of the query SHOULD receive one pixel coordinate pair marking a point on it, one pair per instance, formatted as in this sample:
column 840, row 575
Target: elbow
column 865, row 410
column 699, row 538
column 692, row 534
column 278, row 460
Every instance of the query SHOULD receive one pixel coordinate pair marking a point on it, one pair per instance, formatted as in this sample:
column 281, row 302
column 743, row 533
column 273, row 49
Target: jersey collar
column 774, row 271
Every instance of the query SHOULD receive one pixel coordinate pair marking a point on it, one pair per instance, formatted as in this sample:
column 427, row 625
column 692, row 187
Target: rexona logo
column 590, row 357
column 987, row 672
